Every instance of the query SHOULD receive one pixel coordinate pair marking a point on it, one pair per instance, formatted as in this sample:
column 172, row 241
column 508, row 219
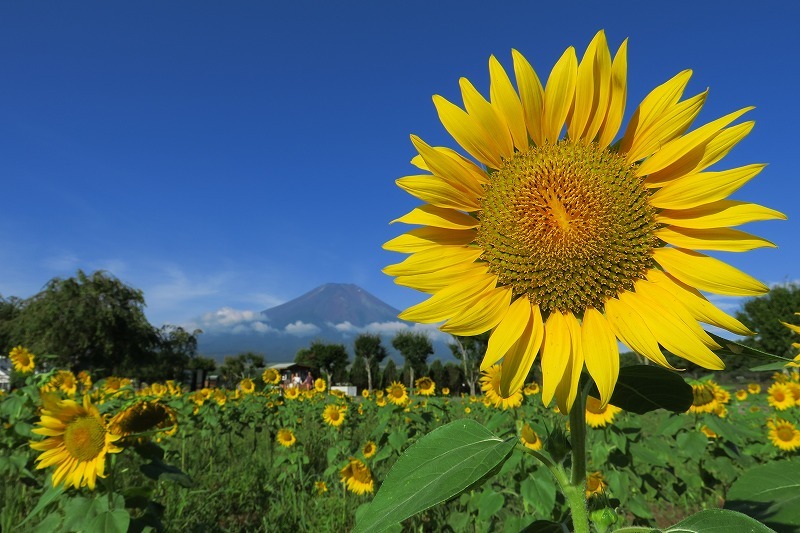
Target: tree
column 369, row 347
column 175, row 350
column 330, row 359
column 358, row 373
column 9, row 310
column 90, row 323
column 237, row 367
column 389, row 373
column 470, row 351
column 436, row 373
column 764, row 315
column 415, row 348
column 454, row 377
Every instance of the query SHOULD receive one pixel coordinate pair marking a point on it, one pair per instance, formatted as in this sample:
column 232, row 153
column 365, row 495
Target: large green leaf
column 769, row 493
column 718, row 521
column 644, row 388
column 437, row 467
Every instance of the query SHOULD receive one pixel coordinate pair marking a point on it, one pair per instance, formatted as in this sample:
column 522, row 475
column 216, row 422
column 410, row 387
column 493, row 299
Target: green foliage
column 330, row 359
column 769, row 493
column 358, row 373
column 415, row 348
column 237, row 367
column 763, row 315
column 644, row 388
column 389, row 374
column 370, row 347
column 453, row 377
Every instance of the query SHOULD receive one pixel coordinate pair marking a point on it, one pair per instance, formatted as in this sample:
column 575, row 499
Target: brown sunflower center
column 85, row 438
column 568, row 225
column 785, row 434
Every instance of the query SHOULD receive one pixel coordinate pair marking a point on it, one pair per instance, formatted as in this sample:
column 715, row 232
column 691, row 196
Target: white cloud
column 302, row 329
column 390, row 329
column 229, row 320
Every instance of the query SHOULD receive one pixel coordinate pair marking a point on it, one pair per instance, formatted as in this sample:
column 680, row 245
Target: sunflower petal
column 450, row 301
column 618, row 96
column 434, row 260
column 717, row 214
column 507, row 103
column 556, row 351
column 720, row 239
column 451, row 166
column 520, row 357
column 567, row 388
column 420, row 239
column 558, row 95
column 438, row 217
column 431, row 282
column 592, row 90
column 484, row 314
column 706, row 273
column 489, row 118
column 467, row 132
column 702, row 188
column 436, row 191
column 632, row 330
column 531, row 96
column 508, row 332
column 601, row 353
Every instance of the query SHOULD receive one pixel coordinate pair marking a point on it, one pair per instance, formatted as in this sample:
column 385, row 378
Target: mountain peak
column 332, row 303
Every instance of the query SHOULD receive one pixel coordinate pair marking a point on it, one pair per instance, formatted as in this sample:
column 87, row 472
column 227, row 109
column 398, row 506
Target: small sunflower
column 379, row 393
column 708, row 432
column 784, row 435
column 320, row 487
column 380, row 402
column 490, row 385
column 357, row 477
column 369, row 449
column 529, row 438
column 77, row 441
column 220, row 396
column 754, row 388
column 741, row 395
column 794, row 389
column 65, row 381
column 247, row 386
column 530, row 389
column 780, row 396
column 425, row 386
column 562, row 246
column 720, row 394
column 144, row 416
column 704, row 399
column 445, row 391
column 333, row 415
column 286, row 438
column 85, row 379
column 291, row 393
column 270, row 376
column 595, row 484
column 320, row 385
column 467, row 410
column 598, row 416
column 22, row 359
column 365, row 393
column 397, row 393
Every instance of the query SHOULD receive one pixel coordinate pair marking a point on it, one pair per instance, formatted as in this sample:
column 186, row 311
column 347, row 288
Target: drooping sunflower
column 270, row 376
column 595, row 484
column 77, row 441
column 247, row 386
column 333, row 415
column 529, row 438
column 530, row 389
column 369, row 449
column 320, row 385
column 357, row 477
column 397, row 393
column 784, row 435
column 286, row 438
column 425, row 386
column 598, row 415
column 780, row 396
column 491, row 381
column 562, row 246
column 144, row 416
column 22, row 359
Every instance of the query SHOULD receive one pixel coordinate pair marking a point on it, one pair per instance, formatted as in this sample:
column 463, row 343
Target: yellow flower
column 490, row 385
column 63, row 380
column 704, row 398
column 22, row 359
column 529, row 438
column 563, row 246
column 722, row 396
column 780, row 396
column 291, row 393
column 369, row 449
column 599, row 416
column 333, row 415
column 320, row 385
column 270, row 376
column 794, row 389
column 425, row 386
column 530, row 389
column 380, row 402
column 595, row 484
column 77, row 442
column 754, row 388
column 220, row 397
column 445, row 391
column 467, row 410
column 85, row 379
column 379, row 393
column 708, row 432
column 365, row 393
column 784, row 435
column 144, row 416
column 357, row 477
column 397, row 394
column 247, row 386
column 320, row 487
column 741, row 395
column 286, row 438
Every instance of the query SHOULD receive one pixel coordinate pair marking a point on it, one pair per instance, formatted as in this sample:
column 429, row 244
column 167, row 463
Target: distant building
column 286, row 370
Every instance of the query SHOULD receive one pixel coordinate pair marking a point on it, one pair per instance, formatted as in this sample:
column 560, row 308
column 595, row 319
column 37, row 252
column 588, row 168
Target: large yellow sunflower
column 784, row 435
column 22, row 359
column 77, row 441
column 562, row 246
column 333, row 415
column 357, row 477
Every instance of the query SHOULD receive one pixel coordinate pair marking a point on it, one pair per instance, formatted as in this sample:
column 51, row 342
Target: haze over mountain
column 334, row 312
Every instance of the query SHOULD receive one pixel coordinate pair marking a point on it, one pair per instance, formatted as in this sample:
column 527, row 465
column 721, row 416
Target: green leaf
column 48, row 497
column 158, row 470
column 115, row 521
column 437, row 467
column 644, row 388
column 769, row 493
column 539, row 492
column 644, row 452
column 735, row 349
column 719, row 521
column 489, row 503
column 398, row 438
column 692, row 444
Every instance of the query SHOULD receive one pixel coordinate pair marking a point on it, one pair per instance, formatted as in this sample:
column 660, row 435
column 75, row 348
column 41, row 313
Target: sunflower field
column 107, row 456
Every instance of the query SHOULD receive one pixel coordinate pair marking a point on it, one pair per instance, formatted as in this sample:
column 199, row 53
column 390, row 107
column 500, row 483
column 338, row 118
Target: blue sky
column 238, row 154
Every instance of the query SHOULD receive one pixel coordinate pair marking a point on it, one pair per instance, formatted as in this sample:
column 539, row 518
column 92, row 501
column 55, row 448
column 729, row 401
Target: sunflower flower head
column 333, row 415
column 247, row 386
column 291, row 393
column 397, row 393
column 491, row 387
column 425, row 386
column 286, row 438
column 270, row 376
column 142, row 417
column 784, row 435
column 598, row 416
column 320, row 385
column 530, row 438
column 754, row 388
column 357, row 477
column 22, row 359
column 741, row 395
column 77, row 442
column 320, row 487
column 562, row 246
column 595, row 484
column 369, row 449
column 779, row 396
column 704, row 399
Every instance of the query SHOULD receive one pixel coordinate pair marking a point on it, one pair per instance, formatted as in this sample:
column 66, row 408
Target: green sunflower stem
column 575, row 491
